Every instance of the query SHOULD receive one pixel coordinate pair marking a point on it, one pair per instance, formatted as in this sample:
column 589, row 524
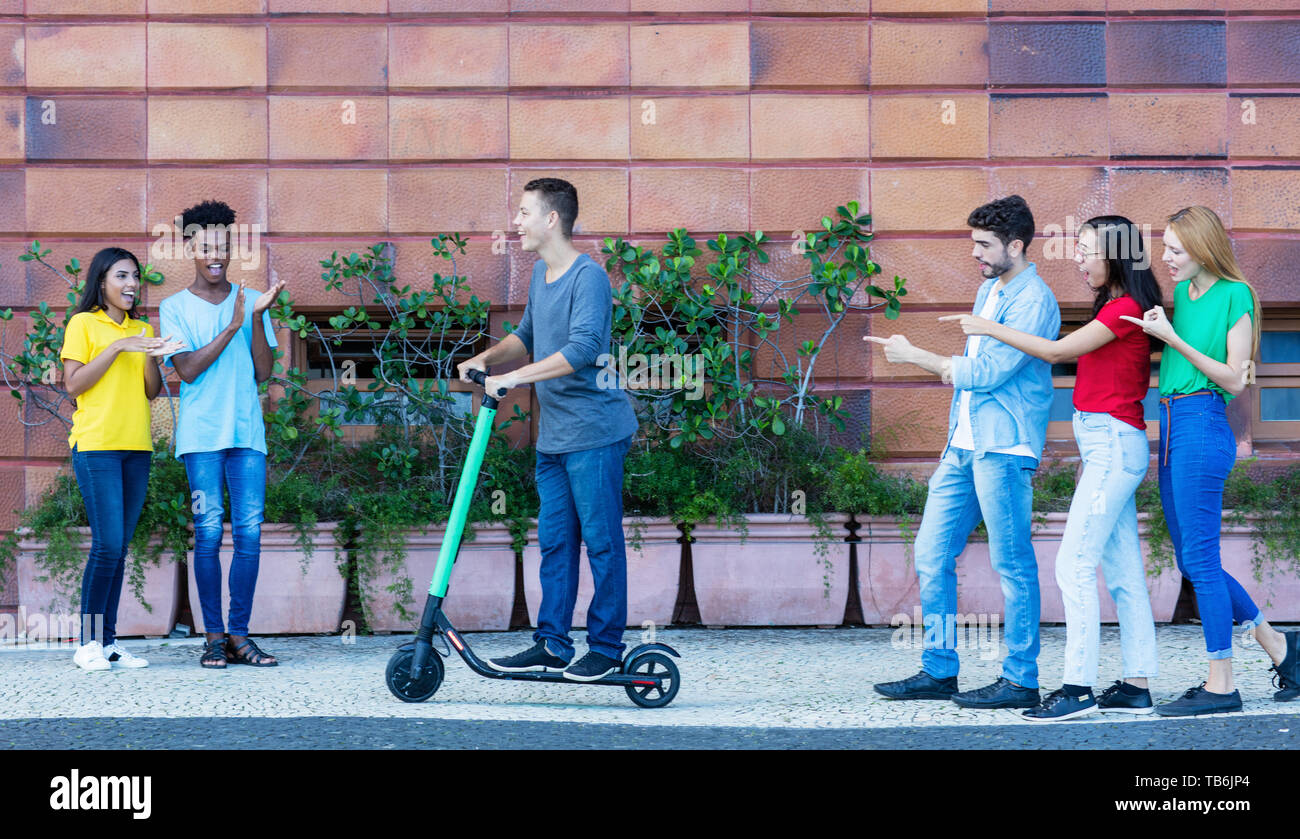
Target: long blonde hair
column 1206, row 241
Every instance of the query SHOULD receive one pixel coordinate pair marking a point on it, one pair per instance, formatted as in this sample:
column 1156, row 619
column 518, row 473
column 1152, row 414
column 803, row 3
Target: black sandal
column 250, row 654
column 214, row 654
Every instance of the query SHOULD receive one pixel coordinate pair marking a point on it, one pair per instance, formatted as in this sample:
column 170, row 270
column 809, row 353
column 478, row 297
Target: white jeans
column 1102, row 528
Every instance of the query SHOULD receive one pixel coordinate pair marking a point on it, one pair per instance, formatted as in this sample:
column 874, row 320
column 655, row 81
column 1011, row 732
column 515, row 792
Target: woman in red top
column 1113, row 377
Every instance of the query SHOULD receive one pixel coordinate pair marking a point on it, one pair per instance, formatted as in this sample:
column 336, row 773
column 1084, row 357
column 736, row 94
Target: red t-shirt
column 1114, row 378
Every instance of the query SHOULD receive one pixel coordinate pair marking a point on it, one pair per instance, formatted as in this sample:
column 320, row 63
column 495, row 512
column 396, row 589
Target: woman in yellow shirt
column 107, row 368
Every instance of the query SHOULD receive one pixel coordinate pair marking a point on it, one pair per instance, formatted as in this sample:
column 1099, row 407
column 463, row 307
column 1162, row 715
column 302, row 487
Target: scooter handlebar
column 479, row 378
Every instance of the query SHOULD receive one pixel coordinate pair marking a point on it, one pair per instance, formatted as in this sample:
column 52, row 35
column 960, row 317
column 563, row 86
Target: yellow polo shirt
column 113, row 414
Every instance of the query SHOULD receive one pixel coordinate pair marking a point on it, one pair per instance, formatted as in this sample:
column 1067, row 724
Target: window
column 1276, row 397
column 356, row 360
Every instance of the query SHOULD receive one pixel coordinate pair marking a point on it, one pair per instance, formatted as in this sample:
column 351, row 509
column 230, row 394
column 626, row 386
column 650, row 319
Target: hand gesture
column 897, row 347
column 137, row 343
column 971, row 324
column 267, row 298
column 237, row 319
column 1154, row 322
column 165, row 347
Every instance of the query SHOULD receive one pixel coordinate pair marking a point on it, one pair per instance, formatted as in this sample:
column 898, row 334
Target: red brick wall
column 767, row 113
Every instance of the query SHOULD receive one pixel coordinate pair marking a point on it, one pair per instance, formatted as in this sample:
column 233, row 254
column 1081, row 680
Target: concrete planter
column 294, row 595
column 775, row 577
column 887, row 583
column 480, row 594
column 58, row 602
column 652, row 574
column 1276, row 592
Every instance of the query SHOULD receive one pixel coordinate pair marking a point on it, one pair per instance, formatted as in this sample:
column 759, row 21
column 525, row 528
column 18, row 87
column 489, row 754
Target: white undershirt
column 963, row 437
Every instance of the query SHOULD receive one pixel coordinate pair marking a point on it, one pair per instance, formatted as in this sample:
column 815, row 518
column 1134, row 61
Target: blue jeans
column 113, row 486
column 581, row 497
column 1197, row 450
column 1103, row 527
column 999, row 489
column 243, row 472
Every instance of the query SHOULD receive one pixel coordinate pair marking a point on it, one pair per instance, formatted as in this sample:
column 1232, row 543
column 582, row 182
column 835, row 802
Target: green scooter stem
column 464, row 491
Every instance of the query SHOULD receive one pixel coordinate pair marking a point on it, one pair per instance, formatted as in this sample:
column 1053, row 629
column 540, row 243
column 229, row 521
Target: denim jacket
column 1011, row 392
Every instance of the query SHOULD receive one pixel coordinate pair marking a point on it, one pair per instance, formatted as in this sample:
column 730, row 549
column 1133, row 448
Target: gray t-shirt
column 572, row 316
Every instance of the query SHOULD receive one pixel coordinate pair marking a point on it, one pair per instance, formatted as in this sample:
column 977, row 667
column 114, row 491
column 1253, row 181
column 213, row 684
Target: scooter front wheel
column 418, row 688
column 653, row 695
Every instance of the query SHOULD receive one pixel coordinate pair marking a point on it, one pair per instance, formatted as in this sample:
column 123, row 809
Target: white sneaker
column 91, row 657
column 118, row 655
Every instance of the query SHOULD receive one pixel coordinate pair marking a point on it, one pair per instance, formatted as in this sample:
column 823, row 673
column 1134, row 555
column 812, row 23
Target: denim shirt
column 1011, row 392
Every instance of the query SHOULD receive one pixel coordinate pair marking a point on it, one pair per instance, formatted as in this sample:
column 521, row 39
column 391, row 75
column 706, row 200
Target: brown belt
column 1169, row 424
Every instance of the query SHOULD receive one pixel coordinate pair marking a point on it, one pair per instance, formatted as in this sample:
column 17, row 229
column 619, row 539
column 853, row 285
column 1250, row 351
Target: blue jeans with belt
column 113, row 485
column 1197, row 450
column 243, row 473
column 581, row 496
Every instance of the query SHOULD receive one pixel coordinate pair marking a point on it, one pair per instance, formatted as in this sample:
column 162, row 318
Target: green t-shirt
column 1203, row 323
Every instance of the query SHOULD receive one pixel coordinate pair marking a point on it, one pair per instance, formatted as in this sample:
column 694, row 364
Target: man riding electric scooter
column 585, row 432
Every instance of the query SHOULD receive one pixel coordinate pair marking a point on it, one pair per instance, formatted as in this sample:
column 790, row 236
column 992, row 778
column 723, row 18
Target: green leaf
column 778, row 426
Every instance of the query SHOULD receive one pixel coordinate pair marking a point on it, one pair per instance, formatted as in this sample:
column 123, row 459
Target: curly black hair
column 207, row 213
column 1007, row 218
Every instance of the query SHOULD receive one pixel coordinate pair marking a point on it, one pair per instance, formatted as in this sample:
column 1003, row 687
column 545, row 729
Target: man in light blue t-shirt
column 220, row 435
column 584, row 433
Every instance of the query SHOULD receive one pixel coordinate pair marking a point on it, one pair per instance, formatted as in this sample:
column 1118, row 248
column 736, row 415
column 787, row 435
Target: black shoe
column 1198, row 700
column 1059, row 705
column 1115, row 701
column 1287, row 674
column 535, row 658
column 1000, row 694
column 591, row 667
column 920, row 686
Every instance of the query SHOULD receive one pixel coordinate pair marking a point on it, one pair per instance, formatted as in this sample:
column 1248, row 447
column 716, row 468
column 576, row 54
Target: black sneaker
column 1287, row 674
column 1198, row 700
column 1001, row 694
column 535, row 658
column 1115, row 701
column 920, row 686
column 1059, row 705
column 591, row 667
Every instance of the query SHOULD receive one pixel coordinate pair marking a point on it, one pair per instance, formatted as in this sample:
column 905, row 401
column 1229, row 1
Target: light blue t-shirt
column 220, row 409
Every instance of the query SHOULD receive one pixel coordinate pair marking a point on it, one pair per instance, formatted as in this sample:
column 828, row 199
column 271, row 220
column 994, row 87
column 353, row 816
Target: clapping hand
column 165, row 347
column 267, row 298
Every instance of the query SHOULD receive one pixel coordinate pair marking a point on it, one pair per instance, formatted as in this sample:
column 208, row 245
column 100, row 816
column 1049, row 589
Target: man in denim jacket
column 996, row 429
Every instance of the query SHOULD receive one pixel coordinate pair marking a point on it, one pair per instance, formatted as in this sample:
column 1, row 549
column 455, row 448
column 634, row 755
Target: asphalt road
column 1275, row 731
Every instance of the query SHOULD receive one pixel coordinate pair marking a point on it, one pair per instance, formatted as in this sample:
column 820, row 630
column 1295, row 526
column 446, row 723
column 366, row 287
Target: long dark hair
column 92, row 297
column 1128, row 264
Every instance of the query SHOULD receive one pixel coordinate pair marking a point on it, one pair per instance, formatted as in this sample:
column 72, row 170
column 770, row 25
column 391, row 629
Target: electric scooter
column 416, row 669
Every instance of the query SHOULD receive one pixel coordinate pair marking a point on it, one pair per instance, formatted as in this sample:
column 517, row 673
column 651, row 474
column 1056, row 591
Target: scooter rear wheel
column 407, row 689
column 653, row 664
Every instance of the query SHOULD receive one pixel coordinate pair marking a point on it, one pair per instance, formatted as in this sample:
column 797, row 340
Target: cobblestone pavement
column 743, row 678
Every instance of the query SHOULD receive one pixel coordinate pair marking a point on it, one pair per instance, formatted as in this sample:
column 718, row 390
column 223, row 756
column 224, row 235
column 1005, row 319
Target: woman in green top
column 1210, row 346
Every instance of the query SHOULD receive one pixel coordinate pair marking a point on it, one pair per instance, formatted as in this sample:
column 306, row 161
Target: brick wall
column 766, row 114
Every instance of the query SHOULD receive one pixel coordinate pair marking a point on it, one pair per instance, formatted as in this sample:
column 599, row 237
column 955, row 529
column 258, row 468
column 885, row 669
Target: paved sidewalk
column 750, row 678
